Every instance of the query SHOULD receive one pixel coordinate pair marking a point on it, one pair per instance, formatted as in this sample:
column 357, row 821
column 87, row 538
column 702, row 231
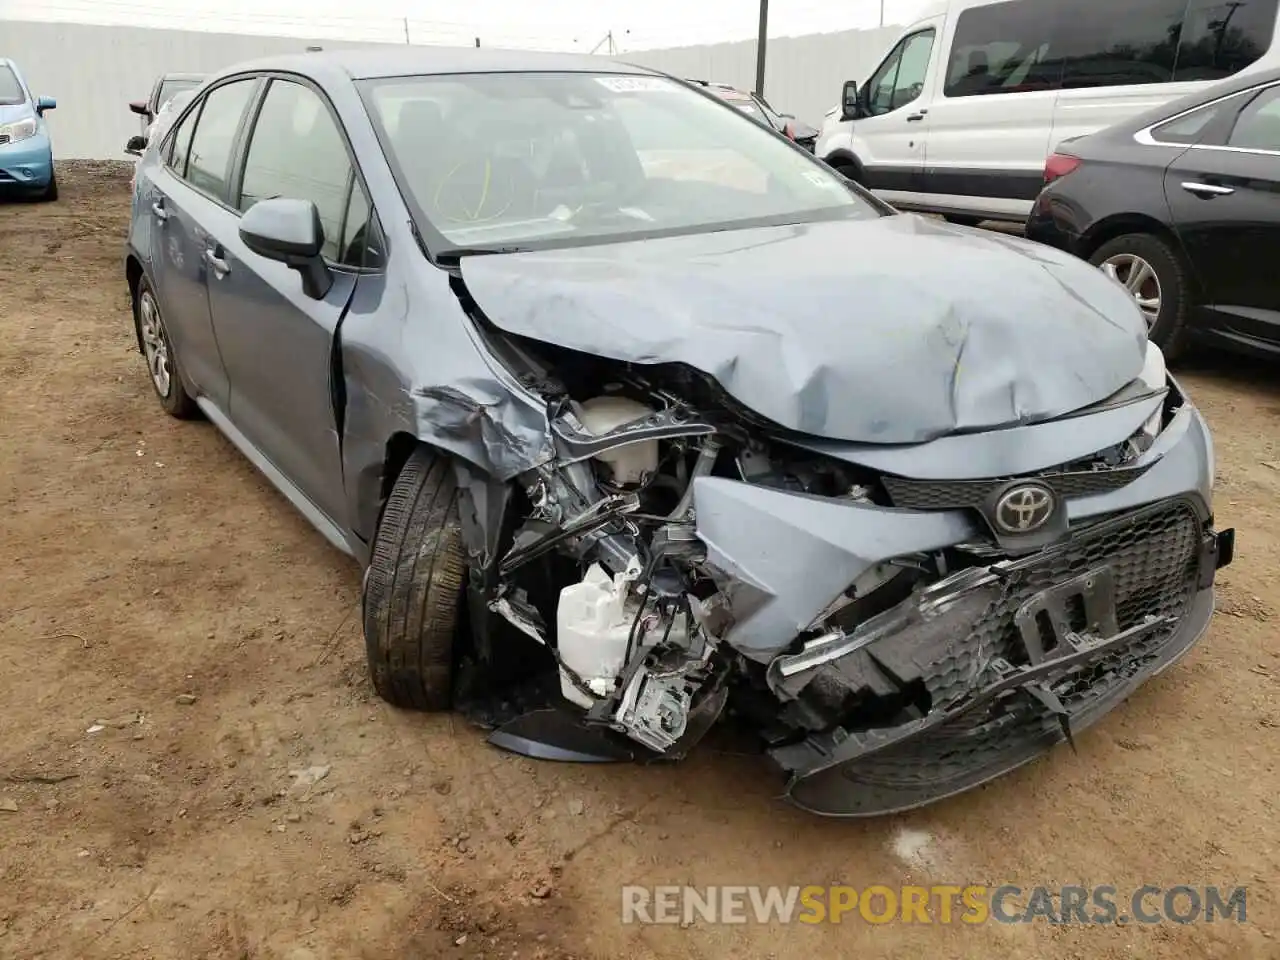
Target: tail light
column 1059, row 165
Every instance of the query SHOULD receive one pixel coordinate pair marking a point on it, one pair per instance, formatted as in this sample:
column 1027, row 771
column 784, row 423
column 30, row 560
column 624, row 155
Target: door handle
column 919, row 115
column 219, row 266
column 1207, row 189
column 161, row 214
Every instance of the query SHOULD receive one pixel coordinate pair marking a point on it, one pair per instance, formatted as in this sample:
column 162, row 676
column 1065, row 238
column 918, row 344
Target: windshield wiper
column 457, row 253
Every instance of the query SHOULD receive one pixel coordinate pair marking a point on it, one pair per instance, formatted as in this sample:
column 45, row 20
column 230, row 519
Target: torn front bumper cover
column 990, row 669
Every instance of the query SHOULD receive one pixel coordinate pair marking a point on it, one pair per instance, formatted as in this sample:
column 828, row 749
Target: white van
column 961, row 114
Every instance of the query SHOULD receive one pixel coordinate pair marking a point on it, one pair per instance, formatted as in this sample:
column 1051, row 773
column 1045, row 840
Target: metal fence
column 94, row 71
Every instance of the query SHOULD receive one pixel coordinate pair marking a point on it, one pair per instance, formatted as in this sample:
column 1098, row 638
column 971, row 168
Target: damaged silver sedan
column 639, row 418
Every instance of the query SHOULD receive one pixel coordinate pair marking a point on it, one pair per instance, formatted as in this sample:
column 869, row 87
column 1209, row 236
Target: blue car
column 26, row 153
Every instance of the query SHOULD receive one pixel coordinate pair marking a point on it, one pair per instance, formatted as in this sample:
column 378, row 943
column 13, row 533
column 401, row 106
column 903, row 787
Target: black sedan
column 1182, row 206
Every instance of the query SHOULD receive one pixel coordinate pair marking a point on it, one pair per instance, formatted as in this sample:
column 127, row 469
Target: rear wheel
column 847, row 170
column 413, row 589
column 162, row 362
column 1154, row 276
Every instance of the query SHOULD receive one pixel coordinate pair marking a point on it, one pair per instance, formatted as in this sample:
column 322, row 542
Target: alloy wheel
column 1138, row 277
column 155, row 344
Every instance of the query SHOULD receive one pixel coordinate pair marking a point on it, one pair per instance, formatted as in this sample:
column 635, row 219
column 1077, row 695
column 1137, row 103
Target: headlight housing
column 19, row 129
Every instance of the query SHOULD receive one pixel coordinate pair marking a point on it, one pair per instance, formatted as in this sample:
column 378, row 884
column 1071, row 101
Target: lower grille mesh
column 1154, row 563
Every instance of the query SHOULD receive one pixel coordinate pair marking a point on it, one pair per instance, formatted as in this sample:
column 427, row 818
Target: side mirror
column 849, row 102
column 290, row 232
column 45, row 103
column 136, row 145
column 141, row 107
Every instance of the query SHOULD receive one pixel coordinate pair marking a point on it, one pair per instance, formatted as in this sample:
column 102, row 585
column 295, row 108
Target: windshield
column 11, row 91
column 496, row 160
column 168, row 88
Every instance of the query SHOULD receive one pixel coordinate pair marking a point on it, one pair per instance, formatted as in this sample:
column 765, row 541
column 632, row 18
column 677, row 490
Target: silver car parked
column 632, row 411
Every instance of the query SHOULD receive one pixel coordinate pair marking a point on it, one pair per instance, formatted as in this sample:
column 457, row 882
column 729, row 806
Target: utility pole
column 406, row 29
column 762, row 40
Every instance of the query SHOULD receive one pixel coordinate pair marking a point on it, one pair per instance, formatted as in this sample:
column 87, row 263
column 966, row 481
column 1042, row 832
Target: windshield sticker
column 636, row 84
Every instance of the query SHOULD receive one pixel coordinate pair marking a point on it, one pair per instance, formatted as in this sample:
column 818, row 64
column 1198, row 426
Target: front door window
column 900, row 79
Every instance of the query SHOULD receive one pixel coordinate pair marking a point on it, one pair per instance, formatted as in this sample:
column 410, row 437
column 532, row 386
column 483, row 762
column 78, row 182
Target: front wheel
column 413, row 589
column 51, row 191
column 1150, row 270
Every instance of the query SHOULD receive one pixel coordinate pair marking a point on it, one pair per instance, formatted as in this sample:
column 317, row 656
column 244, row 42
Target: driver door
column 278, row 343
column 889, row 138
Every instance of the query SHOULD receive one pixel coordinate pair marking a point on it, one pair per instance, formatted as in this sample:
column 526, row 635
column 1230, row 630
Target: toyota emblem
column 1025, row 508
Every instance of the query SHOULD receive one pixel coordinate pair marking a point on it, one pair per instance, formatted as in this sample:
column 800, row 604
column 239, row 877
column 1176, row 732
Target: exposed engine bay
column 606, row 570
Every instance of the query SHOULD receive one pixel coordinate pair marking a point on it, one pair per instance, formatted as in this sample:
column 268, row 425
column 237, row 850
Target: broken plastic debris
column 96, row 728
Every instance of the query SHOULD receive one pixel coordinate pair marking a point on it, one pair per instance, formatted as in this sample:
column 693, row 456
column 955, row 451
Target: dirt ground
column 144, row 563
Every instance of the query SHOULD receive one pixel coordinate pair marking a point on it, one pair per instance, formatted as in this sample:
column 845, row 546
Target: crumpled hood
column 889, row 330
column 9, row 112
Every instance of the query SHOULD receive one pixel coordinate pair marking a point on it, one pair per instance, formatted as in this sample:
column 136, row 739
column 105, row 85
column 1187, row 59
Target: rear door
column 1224, row 193
column 187, row 191
column 278, row 343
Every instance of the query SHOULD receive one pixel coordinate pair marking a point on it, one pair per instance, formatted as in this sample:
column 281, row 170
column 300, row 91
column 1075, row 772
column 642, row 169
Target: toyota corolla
column 635, row 415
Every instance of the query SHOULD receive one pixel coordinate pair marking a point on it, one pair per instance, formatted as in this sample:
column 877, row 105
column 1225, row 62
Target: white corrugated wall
column 94, row 71
column 803, row 75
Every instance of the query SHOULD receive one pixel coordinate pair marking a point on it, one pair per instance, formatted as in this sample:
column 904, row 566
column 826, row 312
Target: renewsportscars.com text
column 937, row 904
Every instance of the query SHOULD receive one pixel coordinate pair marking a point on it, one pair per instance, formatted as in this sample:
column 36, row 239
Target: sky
column 582, row 25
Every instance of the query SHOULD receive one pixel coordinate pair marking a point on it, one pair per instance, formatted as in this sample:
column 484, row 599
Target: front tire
column 1153, row 274
column 51, row 191
column 413, row 589
column 162, row 362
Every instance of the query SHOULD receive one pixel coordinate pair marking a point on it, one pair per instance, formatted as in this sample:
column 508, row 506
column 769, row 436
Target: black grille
column 1154, row 559
column 4, row 138
column 958, row 494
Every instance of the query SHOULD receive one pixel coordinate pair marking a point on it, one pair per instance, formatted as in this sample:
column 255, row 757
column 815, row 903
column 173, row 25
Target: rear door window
column 1002, row 48
column 1191, row 127
column 1222, row 37
column 1258, row 126
column 1023, row 45
column 1102, row 43
column 214, row 139
column 180, row 143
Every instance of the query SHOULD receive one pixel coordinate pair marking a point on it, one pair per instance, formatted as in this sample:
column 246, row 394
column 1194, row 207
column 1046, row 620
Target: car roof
column 367, row 63
column 183, row 76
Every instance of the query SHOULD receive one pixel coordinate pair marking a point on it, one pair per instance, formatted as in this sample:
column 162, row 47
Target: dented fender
column 433, row 382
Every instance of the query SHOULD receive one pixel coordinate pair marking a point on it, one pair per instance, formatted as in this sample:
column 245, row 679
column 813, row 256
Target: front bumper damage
column 979, row 672
column 857, row 604
column 1016, row 658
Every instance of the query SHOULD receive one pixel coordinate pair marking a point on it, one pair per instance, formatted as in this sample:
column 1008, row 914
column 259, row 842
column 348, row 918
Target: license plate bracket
column 1069, row 616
